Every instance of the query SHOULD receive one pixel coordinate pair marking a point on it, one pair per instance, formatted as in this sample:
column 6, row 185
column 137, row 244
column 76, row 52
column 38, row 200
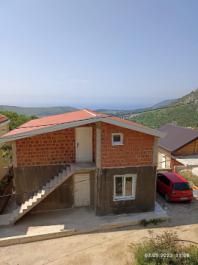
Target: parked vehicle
column 173, row 187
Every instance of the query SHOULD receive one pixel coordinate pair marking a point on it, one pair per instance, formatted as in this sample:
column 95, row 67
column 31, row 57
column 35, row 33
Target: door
column 84, row 144
column 81, row 190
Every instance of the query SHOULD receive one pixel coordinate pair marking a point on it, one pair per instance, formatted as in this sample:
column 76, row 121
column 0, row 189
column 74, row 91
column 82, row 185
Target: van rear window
column 181, row 186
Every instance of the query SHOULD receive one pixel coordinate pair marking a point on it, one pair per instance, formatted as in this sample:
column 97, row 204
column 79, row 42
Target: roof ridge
column 90, row 112
column 70, row 120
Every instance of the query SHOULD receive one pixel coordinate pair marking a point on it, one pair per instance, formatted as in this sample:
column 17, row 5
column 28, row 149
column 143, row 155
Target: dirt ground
column 109, row 248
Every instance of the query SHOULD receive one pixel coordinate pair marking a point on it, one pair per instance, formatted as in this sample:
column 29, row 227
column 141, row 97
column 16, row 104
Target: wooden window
column 124, row 187
column 117, row 139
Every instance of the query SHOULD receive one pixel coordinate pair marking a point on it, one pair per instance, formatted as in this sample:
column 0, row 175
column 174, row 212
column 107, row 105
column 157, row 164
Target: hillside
column 164, row 103
column 183, row 112
column 128, row 113
column 37, row 111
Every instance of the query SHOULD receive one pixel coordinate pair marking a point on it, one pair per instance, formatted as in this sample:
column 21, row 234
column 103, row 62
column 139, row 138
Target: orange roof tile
column 49, row 121
column 70, row 119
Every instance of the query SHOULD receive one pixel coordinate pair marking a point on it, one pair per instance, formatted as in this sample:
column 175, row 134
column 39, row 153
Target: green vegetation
column 16, row 119
column 156, row 221
column 165, row 249
column 184, row 115
column 183, row 112
column 5, row 156
column 187, row 174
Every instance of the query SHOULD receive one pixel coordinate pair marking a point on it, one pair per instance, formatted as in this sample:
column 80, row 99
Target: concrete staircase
column 41, row 194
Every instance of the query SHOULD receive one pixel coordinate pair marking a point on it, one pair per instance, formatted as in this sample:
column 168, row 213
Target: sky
column 97, row 53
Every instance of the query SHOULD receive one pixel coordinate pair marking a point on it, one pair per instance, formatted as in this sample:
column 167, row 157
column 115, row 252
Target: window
column 164, row 179
column 124, row 187
column 117, row 138
column 181, row 186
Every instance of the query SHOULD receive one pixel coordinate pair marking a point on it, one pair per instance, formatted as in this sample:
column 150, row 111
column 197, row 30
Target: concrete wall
column 4, row 128
column 136, row 150
column 164, row 159
column 4, row 162
column 29, row 179
column 145, row 191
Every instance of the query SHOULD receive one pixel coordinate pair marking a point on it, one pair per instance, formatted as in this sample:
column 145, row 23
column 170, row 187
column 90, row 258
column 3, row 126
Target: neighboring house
column 178, row 147
column 4, row 128
column 4, row 124
column 84, row 158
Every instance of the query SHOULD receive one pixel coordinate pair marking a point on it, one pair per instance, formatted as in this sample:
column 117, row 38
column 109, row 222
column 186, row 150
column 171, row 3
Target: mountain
column 183, row 111
column 47, row 111
column 37, row 111
column 134, row 112
column 164, row 103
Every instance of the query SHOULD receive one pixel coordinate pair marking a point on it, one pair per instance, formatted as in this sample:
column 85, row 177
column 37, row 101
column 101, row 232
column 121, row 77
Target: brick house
column 178, row 147
column 84, row 158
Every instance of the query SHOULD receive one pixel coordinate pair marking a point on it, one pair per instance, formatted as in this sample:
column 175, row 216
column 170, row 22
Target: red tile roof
column 3, row 118
column 55, row 120
column 128, row 122
column 60, row 121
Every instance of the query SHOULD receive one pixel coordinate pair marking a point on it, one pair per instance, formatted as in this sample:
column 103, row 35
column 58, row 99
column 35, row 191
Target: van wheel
column 167, row 198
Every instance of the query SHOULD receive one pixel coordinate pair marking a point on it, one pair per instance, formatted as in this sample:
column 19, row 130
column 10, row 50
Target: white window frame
column 125, row 197
column 121, row 139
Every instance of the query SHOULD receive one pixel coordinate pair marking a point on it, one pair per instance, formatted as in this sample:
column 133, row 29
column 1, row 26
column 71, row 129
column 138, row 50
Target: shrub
column 145, row 222
column 165, row 249
column 187, row 174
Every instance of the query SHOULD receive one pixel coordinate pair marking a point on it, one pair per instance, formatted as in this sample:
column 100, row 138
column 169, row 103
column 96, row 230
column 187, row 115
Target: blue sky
column 88, row 53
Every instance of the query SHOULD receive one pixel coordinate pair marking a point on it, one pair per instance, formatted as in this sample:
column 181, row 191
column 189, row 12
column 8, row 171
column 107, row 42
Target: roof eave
column 165, row 148
column 11, row 138
column 145, row 130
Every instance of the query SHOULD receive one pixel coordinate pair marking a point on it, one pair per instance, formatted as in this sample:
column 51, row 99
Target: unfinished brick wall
column 59, row 148
column 47, row 149
column 136, row 150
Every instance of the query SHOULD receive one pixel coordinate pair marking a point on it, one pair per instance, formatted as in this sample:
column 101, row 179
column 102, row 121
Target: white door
column 81, row 190
column 84, row 144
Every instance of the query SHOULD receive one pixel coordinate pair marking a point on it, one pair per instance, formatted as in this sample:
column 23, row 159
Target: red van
column 174, row 187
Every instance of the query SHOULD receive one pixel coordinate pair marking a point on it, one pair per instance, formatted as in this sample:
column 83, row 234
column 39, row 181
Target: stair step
column 42, row 193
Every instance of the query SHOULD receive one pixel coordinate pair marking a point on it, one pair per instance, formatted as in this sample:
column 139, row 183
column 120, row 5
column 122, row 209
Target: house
column 4, row 124
column 4, row 128
column 178, row 147
column 84, row 158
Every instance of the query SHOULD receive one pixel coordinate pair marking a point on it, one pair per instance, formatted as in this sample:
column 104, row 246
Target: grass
column 165, row 249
